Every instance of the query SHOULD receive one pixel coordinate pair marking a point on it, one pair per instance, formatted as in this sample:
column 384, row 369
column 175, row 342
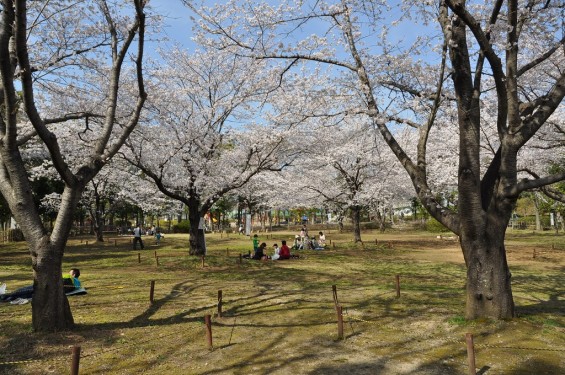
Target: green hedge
column 434, row 226
column 182, row 227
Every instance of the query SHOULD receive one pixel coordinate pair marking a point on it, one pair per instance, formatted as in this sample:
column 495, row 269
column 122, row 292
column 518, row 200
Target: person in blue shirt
column 71, row 284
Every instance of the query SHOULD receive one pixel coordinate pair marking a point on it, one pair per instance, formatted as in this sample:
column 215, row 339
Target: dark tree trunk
column 197, row 244
column 340, row 223
column 489, row 291
column 50, row 307
column 196, row 240
column 356, row 218
column 98, row 218
column 381, row 221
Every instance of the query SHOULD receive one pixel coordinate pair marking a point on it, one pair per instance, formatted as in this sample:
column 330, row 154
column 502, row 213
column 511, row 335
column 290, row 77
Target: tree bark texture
column 50, row 306
column 356, row 219
column 489, row 291
column 196, row 240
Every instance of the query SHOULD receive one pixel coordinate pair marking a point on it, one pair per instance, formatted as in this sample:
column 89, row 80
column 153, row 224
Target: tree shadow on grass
column 551, row 285
column 555, row 304
column 537, row 367
column 380, row 367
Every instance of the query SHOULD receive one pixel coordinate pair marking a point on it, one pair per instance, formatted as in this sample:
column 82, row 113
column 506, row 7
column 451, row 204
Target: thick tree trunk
column 356, row 218
column 50, row 307
column 489, row 291
column 196, row 240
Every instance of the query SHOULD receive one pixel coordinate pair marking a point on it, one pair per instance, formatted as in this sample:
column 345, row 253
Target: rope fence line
column 26, row 361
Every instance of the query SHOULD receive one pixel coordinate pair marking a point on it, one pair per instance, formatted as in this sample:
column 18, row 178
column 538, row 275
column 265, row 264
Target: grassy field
column 279, row 317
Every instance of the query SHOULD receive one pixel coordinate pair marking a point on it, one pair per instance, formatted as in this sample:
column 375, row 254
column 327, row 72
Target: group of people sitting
column 301, row 242
column 304, row 242
column 71, row 286
column 259, row 251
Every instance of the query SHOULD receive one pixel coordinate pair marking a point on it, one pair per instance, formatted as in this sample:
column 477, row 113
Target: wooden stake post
column 334, row 290
column 219, row 303
column 208, row 322
column 339, row 322
column 151, row 291
column 470, row 353
column 75, row 362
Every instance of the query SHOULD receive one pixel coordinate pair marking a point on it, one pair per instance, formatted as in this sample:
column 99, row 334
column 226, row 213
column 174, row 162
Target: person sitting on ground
column 260, row 252
column 315, row 245
column 297, row 243
column 277, row 250
column 71, row 282
column 322, row 239
column 284, row 252
column 71, row 286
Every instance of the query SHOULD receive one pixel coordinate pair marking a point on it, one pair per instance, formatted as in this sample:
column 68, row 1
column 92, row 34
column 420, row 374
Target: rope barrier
column 5, row 363
column 490, row 346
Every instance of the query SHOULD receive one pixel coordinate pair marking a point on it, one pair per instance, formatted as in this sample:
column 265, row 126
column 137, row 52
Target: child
column 255, row 243
column 158, row 237
column 276, row 255
column 322, row 239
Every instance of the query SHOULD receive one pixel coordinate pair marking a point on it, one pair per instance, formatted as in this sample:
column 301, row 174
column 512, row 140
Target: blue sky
column 177, row 25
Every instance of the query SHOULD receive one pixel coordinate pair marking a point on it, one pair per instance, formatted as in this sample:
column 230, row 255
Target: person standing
column 255, row 242
column 137, row 237
column 158, row 236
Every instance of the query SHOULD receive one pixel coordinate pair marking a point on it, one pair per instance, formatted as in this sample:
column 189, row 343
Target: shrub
column 434, row 226
column 182, row 227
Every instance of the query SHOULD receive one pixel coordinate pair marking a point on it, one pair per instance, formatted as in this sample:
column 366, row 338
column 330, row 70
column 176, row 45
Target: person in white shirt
column 137, row 237
column 322, row 239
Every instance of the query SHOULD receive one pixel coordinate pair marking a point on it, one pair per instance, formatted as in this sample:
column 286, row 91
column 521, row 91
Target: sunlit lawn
column 279, row 317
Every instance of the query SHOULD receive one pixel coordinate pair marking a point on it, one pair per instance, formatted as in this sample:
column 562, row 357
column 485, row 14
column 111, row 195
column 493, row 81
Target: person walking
column 137, row 237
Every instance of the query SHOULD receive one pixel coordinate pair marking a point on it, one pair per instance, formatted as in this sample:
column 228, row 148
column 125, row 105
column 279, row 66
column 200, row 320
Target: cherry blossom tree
column 200, row 141
column 115, row 185
column 349, row 168
column 481, row 68
column 62, row 65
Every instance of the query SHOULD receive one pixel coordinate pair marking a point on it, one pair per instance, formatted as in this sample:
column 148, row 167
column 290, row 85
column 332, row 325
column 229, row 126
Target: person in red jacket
column 284, row 251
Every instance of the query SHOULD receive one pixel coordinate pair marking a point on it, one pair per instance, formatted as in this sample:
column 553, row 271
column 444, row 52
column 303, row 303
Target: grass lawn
column 279, row 317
